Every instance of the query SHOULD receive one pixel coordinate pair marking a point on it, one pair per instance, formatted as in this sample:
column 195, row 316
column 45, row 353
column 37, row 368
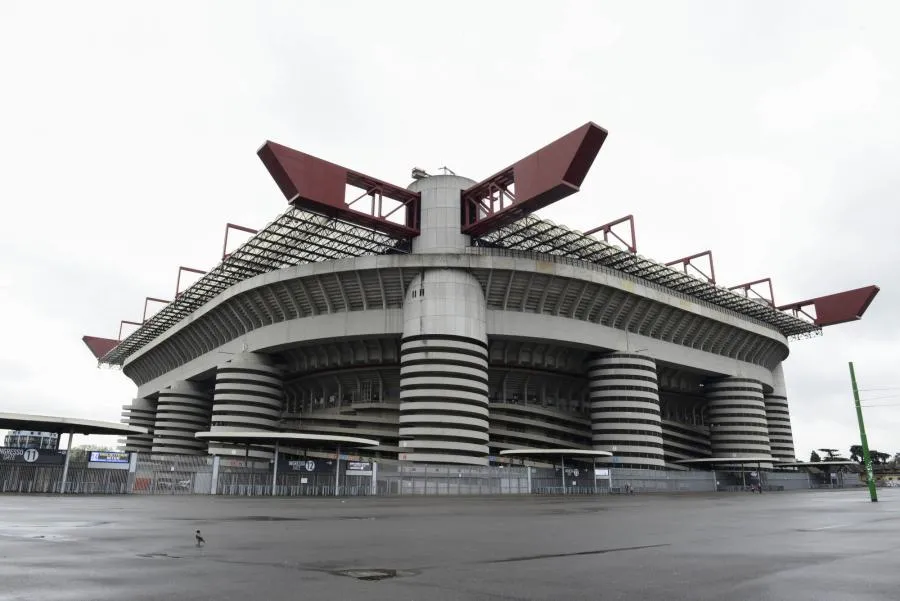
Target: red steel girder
column 748, row 288
column 123, row 322
column 228, row 228
column 840, row 307
column 608, row 231
column 686, row 262
column 318, row 186
column 542, row 178
column 182, row 269
column 99, row 347
column 150, row 299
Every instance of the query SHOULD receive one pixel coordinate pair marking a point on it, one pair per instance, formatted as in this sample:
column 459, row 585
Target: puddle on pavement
column 372, row 574
column 244, row 518
column 53, row 538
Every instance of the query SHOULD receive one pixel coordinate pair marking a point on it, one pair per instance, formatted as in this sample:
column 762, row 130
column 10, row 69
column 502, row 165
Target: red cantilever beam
column 99, row 347
column 318, row 186
column 833, row 309
column 542, row 178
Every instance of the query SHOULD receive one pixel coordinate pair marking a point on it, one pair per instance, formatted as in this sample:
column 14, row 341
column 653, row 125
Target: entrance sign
column 31, row 456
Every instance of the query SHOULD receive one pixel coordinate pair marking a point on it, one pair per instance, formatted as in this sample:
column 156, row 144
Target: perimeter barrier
column 82, row 478
column 164, row 474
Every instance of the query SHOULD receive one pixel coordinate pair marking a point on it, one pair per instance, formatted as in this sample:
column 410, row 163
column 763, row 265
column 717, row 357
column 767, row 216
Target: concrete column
column 441, row 213
column 443, row 370
column 778, row 418
column 248, row 396
column 737, row 418
column 141, row 413
column 182, row 410
column 625, row 416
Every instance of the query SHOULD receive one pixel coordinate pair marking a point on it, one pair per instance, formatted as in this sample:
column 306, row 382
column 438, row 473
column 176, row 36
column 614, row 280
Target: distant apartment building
column 30, row 439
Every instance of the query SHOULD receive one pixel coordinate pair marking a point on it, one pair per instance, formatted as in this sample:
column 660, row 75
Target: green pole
column 867, row 459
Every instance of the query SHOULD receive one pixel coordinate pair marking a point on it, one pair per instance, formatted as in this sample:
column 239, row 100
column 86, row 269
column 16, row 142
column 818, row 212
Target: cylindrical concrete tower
column 248, row 396
column 141, row 413
column 441, row 214
column 736, row 413
column 625, row 415
column 182, row 410
column 443, row 355
column 781, row 438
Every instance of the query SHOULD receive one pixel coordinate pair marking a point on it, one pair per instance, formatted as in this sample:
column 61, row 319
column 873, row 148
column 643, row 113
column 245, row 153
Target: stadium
column 449, row 323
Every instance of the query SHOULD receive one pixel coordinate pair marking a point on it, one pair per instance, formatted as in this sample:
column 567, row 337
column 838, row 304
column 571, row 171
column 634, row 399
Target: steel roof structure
column 299, row 236
column 533, row 234
column 295, row 237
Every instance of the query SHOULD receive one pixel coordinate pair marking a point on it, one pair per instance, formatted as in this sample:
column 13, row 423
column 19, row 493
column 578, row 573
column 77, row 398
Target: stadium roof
column 297, row 438
column 47, row 423
column 728, row 460
column 556, row 452
column 299, row 236
column 295, row 237
column 543, row 236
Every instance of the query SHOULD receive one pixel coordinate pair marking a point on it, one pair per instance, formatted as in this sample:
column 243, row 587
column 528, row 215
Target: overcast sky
column 766, row 131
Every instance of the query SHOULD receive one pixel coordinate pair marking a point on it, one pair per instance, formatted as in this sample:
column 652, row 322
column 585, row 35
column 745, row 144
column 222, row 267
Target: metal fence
column 451, row 480
column 662, row 481
column 201, row 474
column 172, row 474
column 43, row 479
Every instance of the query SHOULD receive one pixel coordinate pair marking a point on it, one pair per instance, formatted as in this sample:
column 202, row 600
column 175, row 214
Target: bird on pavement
column 200, row 540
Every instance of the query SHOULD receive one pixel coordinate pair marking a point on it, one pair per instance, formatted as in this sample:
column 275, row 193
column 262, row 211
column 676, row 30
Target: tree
column 81, row 453
column 877, row 457
column 880, row 458
column 831, row 454
column 814, row 457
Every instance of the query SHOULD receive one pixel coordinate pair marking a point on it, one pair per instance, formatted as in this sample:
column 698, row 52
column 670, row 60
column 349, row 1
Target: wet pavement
column 829, row 545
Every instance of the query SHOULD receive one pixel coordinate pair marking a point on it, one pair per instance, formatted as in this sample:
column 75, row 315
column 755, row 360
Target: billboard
column 108, row 460
column 108, row 457
column 359, row 468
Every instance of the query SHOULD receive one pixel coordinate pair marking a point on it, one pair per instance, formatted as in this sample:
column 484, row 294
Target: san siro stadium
column 447, row 322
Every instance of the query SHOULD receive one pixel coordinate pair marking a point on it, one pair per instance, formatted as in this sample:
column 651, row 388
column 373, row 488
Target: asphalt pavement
column 816, row 546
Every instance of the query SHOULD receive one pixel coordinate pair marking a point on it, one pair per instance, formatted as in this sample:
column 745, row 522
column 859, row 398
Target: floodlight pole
column 867, row 458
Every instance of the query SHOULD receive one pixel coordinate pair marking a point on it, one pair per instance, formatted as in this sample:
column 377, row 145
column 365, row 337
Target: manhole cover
column 368, row 574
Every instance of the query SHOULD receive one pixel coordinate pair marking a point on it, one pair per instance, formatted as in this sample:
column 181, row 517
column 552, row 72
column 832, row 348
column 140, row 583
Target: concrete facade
column 452, row 353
